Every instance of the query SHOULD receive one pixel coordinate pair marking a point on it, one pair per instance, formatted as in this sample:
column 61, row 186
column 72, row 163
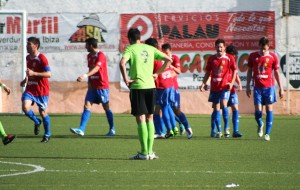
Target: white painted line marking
column 36, row 169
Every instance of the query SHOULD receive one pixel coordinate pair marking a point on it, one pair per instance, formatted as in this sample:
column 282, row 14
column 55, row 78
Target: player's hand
column 155, row 75
column 23, row 83
column 7, row 90
column 30, row 73
column 248, row 91
column 129, row 82
column 202, row 87
column 281, row 93
column 239, row 88
column 80, row 78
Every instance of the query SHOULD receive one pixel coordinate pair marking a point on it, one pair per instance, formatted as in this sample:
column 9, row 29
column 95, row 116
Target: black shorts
column 142, row 101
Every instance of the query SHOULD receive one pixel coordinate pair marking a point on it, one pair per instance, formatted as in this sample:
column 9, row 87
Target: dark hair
column 219, row 41
column 166, row 46
column 263, row 41
column 133, row 35
column 152, row 42
column 231, row 50
column 35, row 41
column 92, row 41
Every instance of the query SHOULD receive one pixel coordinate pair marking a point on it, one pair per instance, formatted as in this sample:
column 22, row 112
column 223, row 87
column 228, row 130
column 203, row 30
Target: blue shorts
column 176, row 102
column 233, row 100
column 264, row 95
column 41, row 101
column 216, row 97
column 164, row 96
column 97, row 96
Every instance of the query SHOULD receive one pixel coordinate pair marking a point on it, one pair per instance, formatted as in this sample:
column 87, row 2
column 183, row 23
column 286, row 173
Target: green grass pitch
column 99, row 162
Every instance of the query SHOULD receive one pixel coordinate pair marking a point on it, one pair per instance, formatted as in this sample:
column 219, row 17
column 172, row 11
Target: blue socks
column 213, row 123
column 32, row 116
column 235, row 120
column 110, row 119
column 218, row 120
column 269, row 121
column 84, row 119
column 258, row 118
column 46, row 122
column 172, row 116
column 184, row 121
column 166, row 117
column 225, row 114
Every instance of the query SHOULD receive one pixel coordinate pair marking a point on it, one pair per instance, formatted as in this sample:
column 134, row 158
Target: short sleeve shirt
column 99, row 80
column 141, row 60
column 38, row 86
column 262, row 67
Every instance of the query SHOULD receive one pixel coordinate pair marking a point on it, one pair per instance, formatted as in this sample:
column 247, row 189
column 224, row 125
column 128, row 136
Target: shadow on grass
column 61, row 158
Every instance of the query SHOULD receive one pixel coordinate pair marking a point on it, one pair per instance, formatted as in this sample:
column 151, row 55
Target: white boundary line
column 157, row 171
column 36, row 169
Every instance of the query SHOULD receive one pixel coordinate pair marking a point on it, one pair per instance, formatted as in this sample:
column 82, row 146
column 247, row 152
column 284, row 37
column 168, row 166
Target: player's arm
column 167, row 62
column 31, row 73
column 233, row 79
column 206, row 77
column 90, row 73
column 122, row 66
column 5, row 88
column 277, row 78
column 238, row 81
column 249, row 77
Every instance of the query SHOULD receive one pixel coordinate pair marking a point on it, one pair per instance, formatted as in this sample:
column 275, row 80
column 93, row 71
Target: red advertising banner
column 199, row 31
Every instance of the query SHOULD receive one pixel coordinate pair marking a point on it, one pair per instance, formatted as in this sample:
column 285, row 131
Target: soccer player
column 262, row 63
column 98, row 87
column 6, row 139
column 37, row 87
column 167, row 49
column 221, row 67
column 142, row 88
column 164, row 97
column 232, row 102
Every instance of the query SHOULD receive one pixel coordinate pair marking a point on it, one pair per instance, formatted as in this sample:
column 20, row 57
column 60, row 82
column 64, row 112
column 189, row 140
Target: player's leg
column 150, row 103
column 258, row 110
column 180, row 114
column 42, row 103
column 27, row 100
column 224, row 97
column 159, row 125
column 103, row 94
column 139, row 109
column 6, row 139
column 165, row 111
column 235, row 120
column 270, row 98
column 214, row 97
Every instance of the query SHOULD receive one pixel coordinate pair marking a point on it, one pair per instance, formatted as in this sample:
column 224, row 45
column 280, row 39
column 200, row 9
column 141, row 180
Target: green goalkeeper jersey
column 141, row 60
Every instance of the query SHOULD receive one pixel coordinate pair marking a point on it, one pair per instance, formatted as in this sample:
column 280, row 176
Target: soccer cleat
column 8, row 139
column 162, row 136
column 267, row 137
column 45, row 139
column 227, row 133
column 37, row 128
column 169, row 134
column 237, row 134
column 260, row 131
column 219, row 135
column 110, row 133
column 77, row 131
column 139, row 156
column 189, row 133
column 181, row 129
column 152, row 156
column 175, row 131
